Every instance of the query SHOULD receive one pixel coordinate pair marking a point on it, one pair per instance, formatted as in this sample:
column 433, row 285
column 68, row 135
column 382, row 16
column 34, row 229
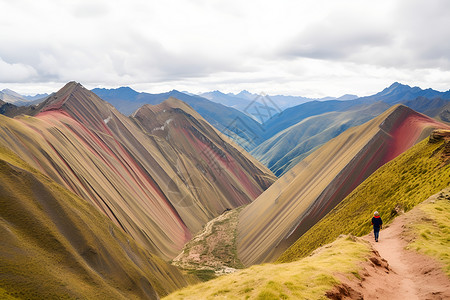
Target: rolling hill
column 306, row 193
column 146, row 184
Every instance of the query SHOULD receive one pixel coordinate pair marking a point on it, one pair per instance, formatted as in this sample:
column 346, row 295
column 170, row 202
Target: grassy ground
column 397, row 186
column 309, row 278
column 432, row 232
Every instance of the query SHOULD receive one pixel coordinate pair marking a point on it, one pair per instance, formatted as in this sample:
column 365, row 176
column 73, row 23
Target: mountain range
column 243, row 99
column 108, row 199
column 262, row 121
column 158, row 176
column 312, row 124
column 242, row 128
column 7, row 95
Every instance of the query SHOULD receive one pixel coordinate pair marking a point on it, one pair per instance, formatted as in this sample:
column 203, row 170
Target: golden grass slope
column 309, row 278
column 55, row 245
column 431, row 233
column 149, row 186
column 305, row 194
column 398, row 185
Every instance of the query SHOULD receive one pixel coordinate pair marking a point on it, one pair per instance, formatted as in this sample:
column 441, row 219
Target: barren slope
column 301, row 197
column 138, row 179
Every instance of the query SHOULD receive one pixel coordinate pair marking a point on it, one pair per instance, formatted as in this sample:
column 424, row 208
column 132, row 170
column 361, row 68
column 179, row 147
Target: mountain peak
column 11, row 93
column 397, row 85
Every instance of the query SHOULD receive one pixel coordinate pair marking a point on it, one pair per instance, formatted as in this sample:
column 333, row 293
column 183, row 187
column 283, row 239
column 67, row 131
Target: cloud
column 319, row 47
column 408, row 34
column 338, row 37
column 16, row 72
column 90, row 9
column 424, row 27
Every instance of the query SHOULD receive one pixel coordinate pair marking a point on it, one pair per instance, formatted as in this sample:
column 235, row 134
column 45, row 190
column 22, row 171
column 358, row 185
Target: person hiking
column 377, row 225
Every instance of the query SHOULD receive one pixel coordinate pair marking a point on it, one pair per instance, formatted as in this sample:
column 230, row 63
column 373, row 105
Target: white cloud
column 15, row 72
column 310, row 48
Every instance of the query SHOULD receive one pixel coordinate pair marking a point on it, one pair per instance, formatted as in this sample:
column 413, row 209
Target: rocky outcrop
column 437, row 136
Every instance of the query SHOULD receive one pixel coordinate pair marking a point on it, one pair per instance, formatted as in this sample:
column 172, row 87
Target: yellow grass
column 398, row 185
column 308, row 278
column 432, row 232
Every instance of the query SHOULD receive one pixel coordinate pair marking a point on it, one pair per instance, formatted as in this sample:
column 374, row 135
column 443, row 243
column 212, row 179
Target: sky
column 305, row 48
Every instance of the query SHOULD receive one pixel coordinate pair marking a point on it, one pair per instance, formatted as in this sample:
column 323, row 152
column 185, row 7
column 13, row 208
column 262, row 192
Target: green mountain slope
column 54, row 245
column 398, row 185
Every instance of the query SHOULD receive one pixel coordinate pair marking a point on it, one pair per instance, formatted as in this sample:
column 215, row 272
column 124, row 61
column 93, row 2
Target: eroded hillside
column 55, row 245
column 146, row 184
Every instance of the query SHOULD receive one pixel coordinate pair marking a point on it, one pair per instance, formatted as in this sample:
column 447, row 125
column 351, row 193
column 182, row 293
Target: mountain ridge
column 133, row 177
column 268, row 226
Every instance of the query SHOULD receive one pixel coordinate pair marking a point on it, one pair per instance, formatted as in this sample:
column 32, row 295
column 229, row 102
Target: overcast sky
column 310, row 48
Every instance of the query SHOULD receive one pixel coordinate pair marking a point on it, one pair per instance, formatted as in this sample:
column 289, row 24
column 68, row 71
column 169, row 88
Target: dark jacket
column 377, row 222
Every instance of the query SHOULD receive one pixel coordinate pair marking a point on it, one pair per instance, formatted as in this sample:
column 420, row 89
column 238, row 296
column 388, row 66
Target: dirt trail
column 409, row 275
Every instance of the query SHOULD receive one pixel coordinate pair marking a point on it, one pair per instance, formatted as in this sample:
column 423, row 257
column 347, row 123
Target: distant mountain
column 244, row 98
column 10, row 96
column 230, row 100
column 287, row 148
column 17, row 99
column 240, row 127
column 399, row 93
column 308, row 191
column 36, row 97
column 437, row 108
column 395, row 94
column 280, row 155
column 347, row 97
column 29, row 108
column 294, row 115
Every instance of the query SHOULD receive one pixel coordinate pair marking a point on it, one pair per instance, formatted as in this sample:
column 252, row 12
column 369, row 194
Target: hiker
column 377, row 224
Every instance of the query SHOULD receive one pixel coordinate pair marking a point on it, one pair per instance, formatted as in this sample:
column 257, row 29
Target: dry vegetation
column 431, row 234
column 309, row 278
